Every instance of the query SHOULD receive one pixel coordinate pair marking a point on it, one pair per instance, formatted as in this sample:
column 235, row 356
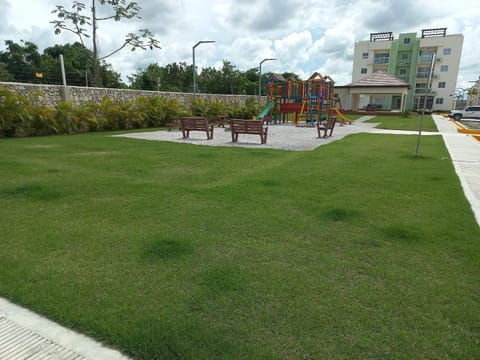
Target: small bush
column 13, row 113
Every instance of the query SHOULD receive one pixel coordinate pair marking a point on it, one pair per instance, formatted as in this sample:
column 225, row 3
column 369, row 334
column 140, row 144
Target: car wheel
column 457, row 117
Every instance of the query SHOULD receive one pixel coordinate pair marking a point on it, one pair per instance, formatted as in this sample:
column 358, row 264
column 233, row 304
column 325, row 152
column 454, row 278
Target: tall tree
column 86, row 26
column 148, row 79
column 176, row 77
column 251, row 81
column 78, row 61
column 4, row 73
column 228, row 80
column 22, row 61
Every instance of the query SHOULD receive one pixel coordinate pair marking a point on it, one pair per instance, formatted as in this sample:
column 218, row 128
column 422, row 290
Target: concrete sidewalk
column 465, row 154
column 26, row 335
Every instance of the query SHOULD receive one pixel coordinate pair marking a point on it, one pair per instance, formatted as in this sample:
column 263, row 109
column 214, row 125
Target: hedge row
column 21, row 116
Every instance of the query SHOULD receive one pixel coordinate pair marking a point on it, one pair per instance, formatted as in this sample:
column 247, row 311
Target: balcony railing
column 424, row 91
column 425, row 76
column 425, row 59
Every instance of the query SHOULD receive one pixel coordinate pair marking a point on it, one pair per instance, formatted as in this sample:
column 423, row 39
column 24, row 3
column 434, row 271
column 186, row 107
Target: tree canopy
column 84, row 26
column 22, row 62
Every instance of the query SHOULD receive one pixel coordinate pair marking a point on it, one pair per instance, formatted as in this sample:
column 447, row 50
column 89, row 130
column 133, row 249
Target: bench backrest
column 331, row 122
column 251, row 126
column 195, row 122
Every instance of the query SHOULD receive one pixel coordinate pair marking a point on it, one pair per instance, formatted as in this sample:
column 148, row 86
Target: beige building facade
column 428, row 62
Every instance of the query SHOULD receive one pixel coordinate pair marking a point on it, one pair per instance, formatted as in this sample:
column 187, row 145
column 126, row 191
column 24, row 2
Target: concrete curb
column 27, row 335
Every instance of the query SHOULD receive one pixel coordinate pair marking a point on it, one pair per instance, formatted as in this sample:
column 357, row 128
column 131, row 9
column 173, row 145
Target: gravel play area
column 286, row 137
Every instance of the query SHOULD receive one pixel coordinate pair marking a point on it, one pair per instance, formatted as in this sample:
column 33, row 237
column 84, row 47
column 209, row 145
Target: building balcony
column 424, row 59
column 425, row 92
column 425, row 76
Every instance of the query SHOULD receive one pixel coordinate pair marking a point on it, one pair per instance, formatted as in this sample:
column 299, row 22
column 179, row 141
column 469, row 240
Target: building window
column 406, row 41
column 444, row 68
column 403, row 71
column 363, row 70
column 365, row 55
column 441, row 84
column 423, row 72
column 439, row 101
column 404, row 56
column 381, row 58
column 420, row 88
column 447, row 51
column 426, row 55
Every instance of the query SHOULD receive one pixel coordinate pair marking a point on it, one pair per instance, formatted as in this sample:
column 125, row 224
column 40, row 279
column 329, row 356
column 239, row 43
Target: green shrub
column 247, row 111
column 199, row 107
column 13, row 113
column 20, row 116
column 40, row 118
column 156, row 111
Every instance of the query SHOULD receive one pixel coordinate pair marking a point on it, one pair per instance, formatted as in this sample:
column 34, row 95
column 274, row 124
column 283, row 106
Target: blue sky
column 304, row 35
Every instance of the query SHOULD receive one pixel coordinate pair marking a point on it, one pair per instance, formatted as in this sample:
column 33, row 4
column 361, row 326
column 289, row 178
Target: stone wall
column 51, row 94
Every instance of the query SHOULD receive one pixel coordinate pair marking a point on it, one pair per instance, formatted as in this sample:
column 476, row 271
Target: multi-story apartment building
column 429, row 63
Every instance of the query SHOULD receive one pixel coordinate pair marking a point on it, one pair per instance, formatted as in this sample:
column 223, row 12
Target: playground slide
column 343, row 117
column 265, row 110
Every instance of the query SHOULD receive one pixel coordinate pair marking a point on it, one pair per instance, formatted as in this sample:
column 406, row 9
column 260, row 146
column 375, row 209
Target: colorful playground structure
column 309, row 100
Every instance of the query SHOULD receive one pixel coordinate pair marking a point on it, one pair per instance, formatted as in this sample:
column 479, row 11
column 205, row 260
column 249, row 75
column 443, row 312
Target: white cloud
column 304, row 35
column 293, row 49
column 249, row 51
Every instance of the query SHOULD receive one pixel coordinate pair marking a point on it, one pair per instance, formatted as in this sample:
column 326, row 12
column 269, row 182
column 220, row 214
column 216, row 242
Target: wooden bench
column 329, row 125
column 175, row 123
column 188, row 124
column 252, row 127
column 220, row 120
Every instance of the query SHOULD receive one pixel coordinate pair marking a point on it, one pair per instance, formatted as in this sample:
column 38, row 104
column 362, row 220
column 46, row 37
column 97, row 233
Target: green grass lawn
column 356, row 250
column 399, row 123
column 353, row 116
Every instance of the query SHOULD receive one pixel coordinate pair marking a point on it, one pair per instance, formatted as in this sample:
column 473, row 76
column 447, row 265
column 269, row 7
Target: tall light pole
column 260, row 77
column 428, row 90
column 194, row 69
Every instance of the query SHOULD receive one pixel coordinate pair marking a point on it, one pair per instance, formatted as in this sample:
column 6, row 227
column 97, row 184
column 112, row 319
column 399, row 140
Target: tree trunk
column 97, row 79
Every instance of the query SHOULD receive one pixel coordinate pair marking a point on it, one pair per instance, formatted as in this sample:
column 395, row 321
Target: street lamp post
column 194, row 69
column 260, row 77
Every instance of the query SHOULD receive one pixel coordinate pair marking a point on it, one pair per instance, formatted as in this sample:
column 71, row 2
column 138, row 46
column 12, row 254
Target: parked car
column 467, row 113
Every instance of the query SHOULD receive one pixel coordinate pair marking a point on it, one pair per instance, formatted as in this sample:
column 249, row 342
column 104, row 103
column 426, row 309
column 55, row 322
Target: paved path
column 465, row 154
column 26, row 335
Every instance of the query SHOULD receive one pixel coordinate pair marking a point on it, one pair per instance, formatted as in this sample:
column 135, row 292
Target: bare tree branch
column 74, row 21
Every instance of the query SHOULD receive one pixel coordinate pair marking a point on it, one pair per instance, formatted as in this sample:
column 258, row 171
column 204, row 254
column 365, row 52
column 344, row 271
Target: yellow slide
column 343, row 117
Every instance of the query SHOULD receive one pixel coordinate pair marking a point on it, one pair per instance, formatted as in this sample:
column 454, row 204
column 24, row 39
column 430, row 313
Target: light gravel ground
column 286, row 137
